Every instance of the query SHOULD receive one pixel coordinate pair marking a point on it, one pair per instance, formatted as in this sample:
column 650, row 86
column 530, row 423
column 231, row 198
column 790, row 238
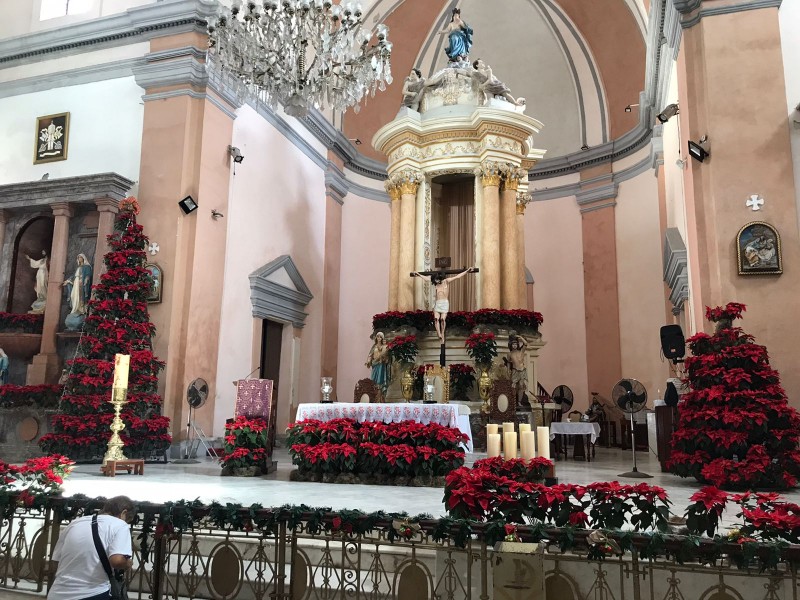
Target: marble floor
column 163, row 482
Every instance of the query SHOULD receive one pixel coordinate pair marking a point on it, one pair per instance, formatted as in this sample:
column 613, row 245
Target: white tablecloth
column 441, row 414
column 592, row 429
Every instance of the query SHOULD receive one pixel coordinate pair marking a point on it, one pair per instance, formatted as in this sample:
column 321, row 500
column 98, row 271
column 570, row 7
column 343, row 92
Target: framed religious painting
column 758, row 249
column 52, row 138
column 157, row 275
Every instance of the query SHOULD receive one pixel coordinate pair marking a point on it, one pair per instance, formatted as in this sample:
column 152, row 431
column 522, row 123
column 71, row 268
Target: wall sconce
column 215, row 214
column 356, row 141
column 669, row 111
column 236, row 154
column 697, row 151
column 188, row 205
column 629, row 108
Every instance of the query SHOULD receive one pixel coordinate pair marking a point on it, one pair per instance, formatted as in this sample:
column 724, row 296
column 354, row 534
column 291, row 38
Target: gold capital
column 406, row 181
column 409, row 187
column 392, row 190
column 522, row 201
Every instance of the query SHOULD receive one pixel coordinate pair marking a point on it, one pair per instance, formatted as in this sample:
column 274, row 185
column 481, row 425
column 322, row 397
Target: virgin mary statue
column 79, row 287
column 459, row 36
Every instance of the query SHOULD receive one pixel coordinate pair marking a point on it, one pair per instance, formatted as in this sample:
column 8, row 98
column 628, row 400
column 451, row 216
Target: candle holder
column 115, row 444
column 327, row 389
column 428, row 391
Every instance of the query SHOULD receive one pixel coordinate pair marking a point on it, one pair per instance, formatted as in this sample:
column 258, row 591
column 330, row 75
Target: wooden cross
column 442, row 266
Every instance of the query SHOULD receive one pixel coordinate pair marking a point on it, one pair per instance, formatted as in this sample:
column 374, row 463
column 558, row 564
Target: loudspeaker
column 671, row 396
column 672, row 342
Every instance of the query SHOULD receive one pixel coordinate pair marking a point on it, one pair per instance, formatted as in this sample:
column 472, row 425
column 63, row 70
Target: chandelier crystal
column 299, row 53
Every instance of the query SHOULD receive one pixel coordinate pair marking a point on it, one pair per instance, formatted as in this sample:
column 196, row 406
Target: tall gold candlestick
column 119, row 394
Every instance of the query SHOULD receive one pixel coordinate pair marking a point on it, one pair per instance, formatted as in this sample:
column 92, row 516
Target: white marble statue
column 413, row 89
column 41, row 282
column 490, row 86
column 79, row 286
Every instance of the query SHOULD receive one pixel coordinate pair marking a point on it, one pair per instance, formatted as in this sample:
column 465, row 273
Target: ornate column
column 509, row 245
column 408, row 183
column 44, row 366
column 394, row 244
column 490, row 174
column 108, row 210
column 522, row 286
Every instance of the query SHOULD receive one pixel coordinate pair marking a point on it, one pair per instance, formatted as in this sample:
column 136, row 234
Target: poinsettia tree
column 117, row 323
column 736, row 428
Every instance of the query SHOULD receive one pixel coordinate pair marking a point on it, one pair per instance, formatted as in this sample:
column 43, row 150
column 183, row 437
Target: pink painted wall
column 553, row 253
column 640, row 282
column 276, row 207
column 364, row 285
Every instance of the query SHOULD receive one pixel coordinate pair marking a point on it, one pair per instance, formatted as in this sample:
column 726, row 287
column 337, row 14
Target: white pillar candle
column 508, row 427
column 491, row 428
column 527, row 444
column 510, row 444
column 524, row 427
column 543, row 439
column 493, row 445
column 121, row 364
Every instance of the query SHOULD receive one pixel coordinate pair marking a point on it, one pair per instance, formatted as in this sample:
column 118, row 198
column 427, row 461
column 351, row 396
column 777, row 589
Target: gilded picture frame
column 758, row 249
column 51, row 139
column 154, row 297
column 502, row 402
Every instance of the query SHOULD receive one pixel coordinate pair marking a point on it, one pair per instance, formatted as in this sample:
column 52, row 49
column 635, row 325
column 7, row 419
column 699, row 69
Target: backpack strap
column 101, row 551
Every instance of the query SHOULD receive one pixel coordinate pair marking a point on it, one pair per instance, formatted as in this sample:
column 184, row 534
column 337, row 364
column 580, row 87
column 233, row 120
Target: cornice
column 135, row 24
column 693, row 11
column 84, row 188
column 336, row 184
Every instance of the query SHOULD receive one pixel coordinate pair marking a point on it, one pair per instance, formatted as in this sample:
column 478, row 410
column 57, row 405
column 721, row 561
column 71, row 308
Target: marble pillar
column 108, row 209
column 509, row 246
column 522, row 285
column 394, row 245
column 44, row 367
column 490, row 251
column 408, row 183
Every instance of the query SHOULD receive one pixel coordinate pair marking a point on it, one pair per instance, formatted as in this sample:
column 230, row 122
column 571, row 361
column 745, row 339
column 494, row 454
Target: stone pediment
column 279, row 293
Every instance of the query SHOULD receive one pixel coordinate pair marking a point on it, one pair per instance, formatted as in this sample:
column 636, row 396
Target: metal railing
column 279, row 555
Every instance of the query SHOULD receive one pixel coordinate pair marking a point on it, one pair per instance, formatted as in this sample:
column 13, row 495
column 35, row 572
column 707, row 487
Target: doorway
column 270, row 362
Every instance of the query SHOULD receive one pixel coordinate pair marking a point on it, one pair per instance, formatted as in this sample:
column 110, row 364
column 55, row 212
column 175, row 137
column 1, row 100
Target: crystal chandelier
column 299, row 53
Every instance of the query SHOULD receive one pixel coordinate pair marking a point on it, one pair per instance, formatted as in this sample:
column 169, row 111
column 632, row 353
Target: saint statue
column 79, row 288
column 459, row 36
column 378, row 360
column 41, row 282
column 413, row 88
column 515, row 362
column 3, row 367
column 490, row 86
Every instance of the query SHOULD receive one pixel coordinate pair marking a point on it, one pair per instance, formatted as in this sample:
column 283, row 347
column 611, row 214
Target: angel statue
column 413, row 88
column 490, row 86
column 459, row 36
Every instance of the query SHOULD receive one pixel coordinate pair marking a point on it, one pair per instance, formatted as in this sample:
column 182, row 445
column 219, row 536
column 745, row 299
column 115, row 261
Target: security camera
column 669, row 111
column 236, row 154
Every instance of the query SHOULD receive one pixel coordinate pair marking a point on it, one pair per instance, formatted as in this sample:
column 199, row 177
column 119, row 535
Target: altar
column 446, row 415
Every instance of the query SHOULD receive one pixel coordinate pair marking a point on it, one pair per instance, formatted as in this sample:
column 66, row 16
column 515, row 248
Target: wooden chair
column 367, row 390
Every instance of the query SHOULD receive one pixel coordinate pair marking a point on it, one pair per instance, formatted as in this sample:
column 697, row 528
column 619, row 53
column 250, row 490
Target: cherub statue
column 413, row 89
column 490, row 86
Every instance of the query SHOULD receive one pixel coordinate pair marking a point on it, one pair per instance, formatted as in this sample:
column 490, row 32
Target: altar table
column 588, row 431
column 440, row 414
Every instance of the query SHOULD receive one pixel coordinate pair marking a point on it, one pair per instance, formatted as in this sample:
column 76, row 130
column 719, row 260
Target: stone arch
column 33, row 237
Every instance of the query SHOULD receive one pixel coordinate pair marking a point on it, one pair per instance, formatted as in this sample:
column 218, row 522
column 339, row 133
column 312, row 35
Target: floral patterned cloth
column 441, row 414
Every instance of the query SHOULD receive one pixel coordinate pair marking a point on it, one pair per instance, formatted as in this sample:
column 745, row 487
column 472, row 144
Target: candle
column 527, row 444
column 493, row 445
column 121, row 364
column 524, row 427
column 508, row 427
column 510, row 444
column 491, row 428
column 543, row 439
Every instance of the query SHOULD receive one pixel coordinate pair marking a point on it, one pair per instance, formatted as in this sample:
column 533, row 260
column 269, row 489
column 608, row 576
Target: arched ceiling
column 577, row 63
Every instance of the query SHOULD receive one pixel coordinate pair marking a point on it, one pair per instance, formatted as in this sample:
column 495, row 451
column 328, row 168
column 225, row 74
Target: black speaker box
column 672, row 342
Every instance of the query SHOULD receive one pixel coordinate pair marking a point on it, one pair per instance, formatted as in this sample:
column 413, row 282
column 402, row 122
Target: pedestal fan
column 563, row 396
column 196, row 396
column 630, row 396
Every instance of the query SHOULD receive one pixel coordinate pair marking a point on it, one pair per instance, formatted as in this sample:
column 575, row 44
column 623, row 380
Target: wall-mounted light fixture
column 629, row 108
column 236, row 154
column 356, row 141
column 697, row 151
column 188, row 205
column 215, row 214
column 669, row 111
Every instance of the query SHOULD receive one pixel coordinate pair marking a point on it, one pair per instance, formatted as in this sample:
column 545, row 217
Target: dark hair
column 437, row 278
column 475, row 64
column 116, row 505
column 417, row 71
column 456, row 11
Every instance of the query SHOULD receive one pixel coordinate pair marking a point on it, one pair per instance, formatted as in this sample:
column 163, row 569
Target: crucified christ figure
column 441, row 283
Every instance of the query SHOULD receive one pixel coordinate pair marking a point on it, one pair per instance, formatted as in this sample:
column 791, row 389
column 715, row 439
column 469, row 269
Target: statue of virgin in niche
column 459, row 36
column 79, row 287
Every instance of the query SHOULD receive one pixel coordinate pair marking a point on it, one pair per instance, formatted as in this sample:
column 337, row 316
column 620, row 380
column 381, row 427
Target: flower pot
column 250, row 471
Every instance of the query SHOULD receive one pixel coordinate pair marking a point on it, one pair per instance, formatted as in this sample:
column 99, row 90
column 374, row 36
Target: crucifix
column 440, row 280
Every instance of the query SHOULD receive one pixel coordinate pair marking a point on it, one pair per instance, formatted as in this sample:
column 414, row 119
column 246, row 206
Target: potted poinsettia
column 246, row 445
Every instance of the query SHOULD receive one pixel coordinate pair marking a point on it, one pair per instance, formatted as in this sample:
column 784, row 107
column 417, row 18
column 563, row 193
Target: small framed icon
column 52, row 138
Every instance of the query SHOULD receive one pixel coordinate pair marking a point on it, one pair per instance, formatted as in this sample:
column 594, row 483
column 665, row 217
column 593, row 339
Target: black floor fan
column 196, row 396
column 631, row 396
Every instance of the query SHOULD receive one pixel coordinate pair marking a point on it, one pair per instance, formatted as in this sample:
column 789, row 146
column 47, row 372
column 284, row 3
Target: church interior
column 443, row 258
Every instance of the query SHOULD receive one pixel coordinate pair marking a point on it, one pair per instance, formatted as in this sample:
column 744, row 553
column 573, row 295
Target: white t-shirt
column 80, row 573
